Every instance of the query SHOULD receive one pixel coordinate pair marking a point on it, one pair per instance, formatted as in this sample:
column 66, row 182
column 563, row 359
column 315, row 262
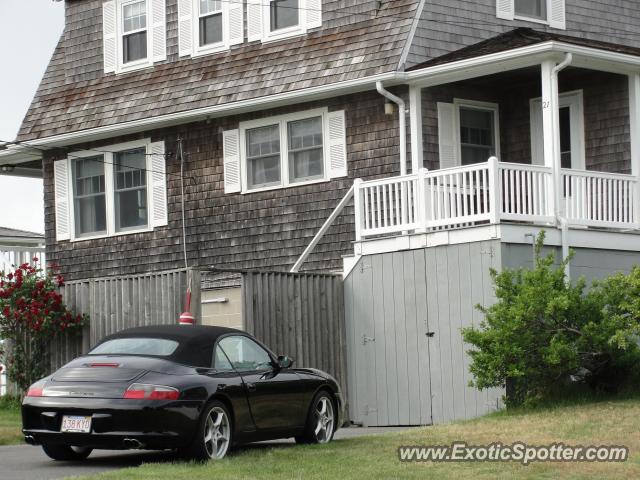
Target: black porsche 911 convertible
column 195, row 389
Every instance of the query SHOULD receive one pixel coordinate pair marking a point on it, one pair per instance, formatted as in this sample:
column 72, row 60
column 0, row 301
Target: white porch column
column 634, row 123
column 415, row 125
column 550, row 128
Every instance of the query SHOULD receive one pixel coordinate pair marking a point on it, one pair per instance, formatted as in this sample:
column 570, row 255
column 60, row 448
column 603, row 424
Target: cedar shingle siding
column 255, row 230
column 448, row 25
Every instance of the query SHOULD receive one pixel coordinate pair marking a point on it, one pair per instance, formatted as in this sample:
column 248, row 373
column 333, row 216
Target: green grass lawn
column 10, row 425
column 372, row 457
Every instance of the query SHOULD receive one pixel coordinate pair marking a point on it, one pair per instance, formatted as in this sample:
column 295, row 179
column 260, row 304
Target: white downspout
column 402, row 125
column 563, row 224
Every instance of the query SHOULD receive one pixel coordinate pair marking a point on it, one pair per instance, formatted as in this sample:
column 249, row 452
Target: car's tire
column 66, row 452
column 214, row 434
column 321, row 420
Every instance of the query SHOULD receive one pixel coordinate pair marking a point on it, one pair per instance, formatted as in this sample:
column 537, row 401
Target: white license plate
column 75, row 424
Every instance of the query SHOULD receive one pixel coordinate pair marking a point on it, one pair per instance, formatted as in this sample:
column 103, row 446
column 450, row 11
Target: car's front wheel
column 321, row 420
column 213, row 438
column 66, row 452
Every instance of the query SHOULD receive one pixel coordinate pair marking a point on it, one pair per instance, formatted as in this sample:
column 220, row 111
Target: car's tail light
column 34, row 392
column 140, row 391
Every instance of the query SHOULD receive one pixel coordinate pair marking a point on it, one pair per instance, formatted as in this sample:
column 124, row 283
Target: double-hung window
column 210, row 22
column 287, row 150
column 549, row 12
column 284, row 151
column 284, row 14
column 134, row 31
column 116, row 191
column 134, row 34
column 277, row 19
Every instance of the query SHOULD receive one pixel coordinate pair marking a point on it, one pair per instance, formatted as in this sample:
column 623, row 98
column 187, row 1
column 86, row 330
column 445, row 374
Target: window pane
column 89, row 198
column 134, row 47
column 245, row 354
column 137, row 346
column 220, row 361
column 130, row 187
column 211, row 29
column 134, row 16
column 565, row 137
column 210, row 6
column 263, row 156
column 477, row 137
column 284, row 13
column 305, row 149
column 532, row 8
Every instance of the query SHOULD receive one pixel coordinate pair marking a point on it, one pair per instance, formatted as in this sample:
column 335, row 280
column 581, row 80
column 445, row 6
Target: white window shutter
column 447, row 135
column 236, row 22
column 254, row 20
column 505, row 9
column 537, row 135
column 557, row 16
column 337, row 144
column 231, row 155
column 185, row 27
column 109, row 43
column 313, row 13
column 61, row 187
column 158, row 165
column 159, row 30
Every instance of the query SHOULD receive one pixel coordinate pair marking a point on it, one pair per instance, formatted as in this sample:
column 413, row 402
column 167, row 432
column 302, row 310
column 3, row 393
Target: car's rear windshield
column 161, row 347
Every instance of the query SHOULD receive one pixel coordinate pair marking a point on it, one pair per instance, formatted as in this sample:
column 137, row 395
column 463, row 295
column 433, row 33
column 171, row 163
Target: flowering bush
column 31, row 314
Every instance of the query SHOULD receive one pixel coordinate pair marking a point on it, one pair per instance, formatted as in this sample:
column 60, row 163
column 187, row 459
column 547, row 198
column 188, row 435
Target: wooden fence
column 300, row 315
column 115, row 303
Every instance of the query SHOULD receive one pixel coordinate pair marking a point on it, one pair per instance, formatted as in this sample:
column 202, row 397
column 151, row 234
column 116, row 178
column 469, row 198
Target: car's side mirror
column 284, row 361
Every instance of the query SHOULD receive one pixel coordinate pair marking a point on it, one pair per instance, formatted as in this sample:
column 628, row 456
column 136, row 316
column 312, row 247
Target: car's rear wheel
column 321, row 420
column 213, row 438
column 66, row 452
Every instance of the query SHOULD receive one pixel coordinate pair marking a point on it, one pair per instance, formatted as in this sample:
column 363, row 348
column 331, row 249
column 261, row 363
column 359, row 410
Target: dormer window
column 134, row 34
column 134, row 31
column 284, row 14
column 210, row 22
column 547, row 12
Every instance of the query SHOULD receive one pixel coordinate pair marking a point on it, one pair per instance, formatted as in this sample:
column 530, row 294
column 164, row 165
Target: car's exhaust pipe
column 132, row 443
column 30, row 439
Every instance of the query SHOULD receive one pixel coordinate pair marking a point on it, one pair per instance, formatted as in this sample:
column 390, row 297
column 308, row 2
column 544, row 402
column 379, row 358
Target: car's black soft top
column 195, row 341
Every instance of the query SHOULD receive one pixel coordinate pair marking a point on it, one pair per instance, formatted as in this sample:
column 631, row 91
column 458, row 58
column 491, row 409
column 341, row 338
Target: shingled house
column 448, row 133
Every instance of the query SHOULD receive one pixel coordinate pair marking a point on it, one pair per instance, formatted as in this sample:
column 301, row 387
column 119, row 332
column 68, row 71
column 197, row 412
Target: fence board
column 300, row 315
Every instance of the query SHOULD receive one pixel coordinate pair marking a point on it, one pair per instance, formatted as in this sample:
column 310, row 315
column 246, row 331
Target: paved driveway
column 24, row 462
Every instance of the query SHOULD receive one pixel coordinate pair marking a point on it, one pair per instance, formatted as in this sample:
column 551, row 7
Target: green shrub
column 545, row 333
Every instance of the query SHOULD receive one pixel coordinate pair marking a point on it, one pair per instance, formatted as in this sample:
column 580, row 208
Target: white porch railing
column 13, row 255
column 491, row 192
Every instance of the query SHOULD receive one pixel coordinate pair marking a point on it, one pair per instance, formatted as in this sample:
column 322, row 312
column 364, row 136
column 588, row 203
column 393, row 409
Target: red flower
column 10, row 276
column 60, row 280
column 35, row 259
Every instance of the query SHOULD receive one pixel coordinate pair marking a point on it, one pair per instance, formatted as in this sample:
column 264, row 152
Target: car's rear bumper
column 115, row 423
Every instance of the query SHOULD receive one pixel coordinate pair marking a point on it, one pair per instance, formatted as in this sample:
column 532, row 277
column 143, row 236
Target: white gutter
column 402, row 114
column 435, row 75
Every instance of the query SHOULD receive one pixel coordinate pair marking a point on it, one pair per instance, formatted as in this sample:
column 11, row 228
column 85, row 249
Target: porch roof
column 518, row 38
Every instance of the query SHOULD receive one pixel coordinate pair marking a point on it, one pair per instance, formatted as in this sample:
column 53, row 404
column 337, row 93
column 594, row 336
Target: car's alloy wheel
column 217, row 433
column 325, row 419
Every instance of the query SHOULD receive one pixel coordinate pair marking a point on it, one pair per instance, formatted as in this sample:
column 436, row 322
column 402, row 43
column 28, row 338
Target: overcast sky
column 24, row 54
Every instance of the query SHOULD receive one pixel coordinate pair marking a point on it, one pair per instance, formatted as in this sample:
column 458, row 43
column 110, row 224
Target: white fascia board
column 243, row 106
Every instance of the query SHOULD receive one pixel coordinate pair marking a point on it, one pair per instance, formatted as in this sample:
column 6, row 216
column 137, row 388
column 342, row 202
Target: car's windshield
column 136, row 346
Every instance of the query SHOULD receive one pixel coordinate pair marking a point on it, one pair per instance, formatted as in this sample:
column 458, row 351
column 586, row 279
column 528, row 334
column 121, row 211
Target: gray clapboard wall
column 404, row 311
column 115, row 303
column 300, row 315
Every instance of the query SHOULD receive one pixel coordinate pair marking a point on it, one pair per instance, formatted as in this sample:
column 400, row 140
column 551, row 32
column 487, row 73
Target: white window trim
column 575, row 101
column 195, row 35
column 542, row 21
column 269, row 36
column 109, row 190
column 122, row 67
column 473, row 104
column 282, row 121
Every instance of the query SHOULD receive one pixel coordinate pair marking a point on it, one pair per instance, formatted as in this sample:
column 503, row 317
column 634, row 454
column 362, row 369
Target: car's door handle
column 251, row 387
